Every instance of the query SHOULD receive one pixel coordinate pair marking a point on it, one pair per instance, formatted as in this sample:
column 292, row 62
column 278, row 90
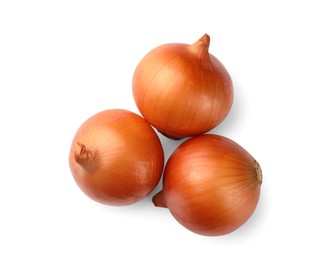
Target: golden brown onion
column 182, row 90
column 116, row 158
column 211, row 185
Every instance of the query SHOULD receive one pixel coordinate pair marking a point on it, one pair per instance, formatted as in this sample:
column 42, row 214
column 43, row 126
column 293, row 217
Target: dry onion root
column 211, row 185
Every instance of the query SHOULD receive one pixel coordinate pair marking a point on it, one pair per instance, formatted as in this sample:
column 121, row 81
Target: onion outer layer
column 182, row 90
column 116, row 158
column 211, row 185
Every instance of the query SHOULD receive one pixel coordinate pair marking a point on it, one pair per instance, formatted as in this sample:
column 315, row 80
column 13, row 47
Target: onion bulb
column 211, row 185
column 116, row 158
column 181, row 89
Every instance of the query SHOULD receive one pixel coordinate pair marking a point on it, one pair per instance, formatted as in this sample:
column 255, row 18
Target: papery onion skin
column 211, row 185
column 182, row 90
column 116, row 158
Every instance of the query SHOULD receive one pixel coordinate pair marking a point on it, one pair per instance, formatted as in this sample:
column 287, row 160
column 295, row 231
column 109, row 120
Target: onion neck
column 200, row 48
column 84, row 157
column 159, row 200
column 258, row 171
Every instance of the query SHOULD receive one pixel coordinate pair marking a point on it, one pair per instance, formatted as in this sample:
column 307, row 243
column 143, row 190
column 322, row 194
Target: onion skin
column 182, row 90
column 211, row 185
column 116, row 158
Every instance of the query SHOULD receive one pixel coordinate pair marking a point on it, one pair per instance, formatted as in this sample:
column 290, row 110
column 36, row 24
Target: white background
column 63, row 61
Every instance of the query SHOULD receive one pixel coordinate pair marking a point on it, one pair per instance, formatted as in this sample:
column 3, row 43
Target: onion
column 211, row 185
column 182, row 90
column 116, row 158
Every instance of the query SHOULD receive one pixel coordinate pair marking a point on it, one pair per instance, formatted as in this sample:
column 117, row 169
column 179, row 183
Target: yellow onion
column 181, row 89
column 211, row 185
column 116, row 158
